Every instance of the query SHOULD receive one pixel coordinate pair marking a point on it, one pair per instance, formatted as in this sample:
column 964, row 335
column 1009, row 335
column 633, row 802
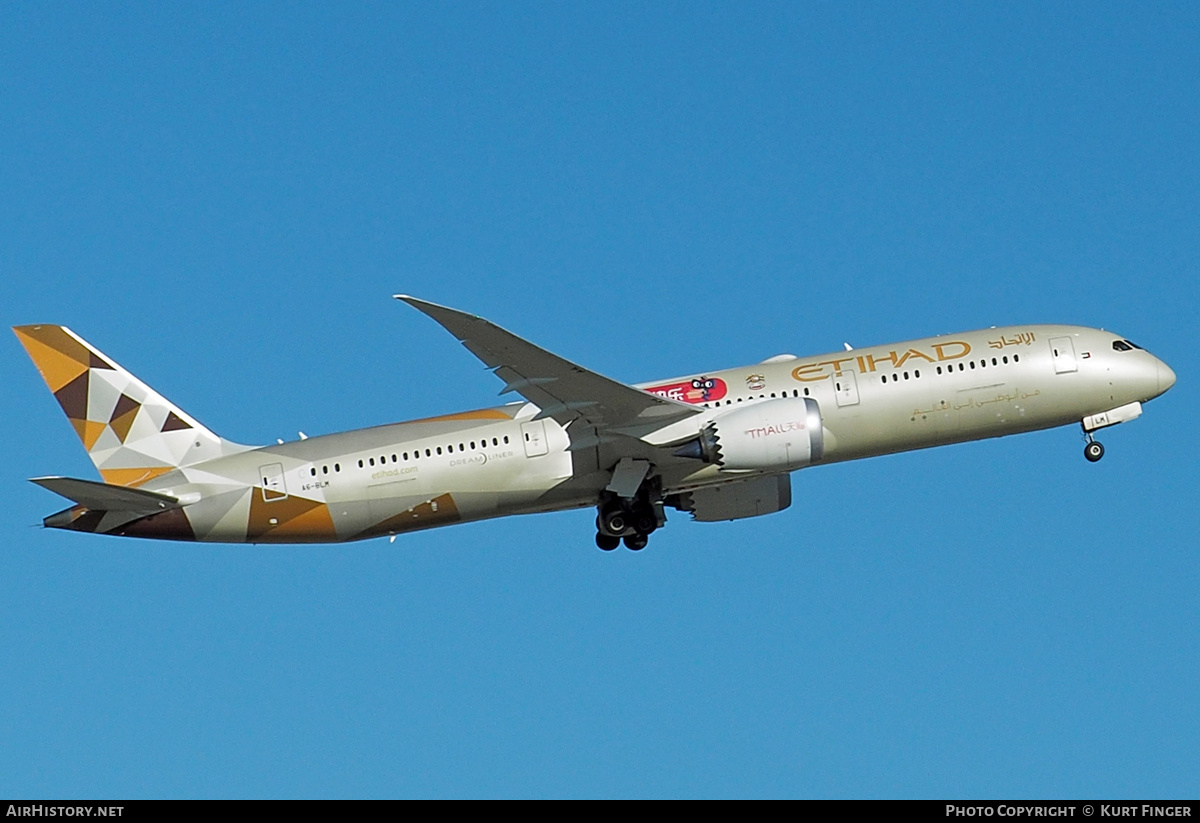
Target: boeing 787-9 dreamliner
column 720, row 445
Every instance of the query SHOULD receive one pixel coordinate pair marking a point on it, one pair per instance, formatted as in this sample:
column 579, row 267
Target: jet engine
column 782, row 433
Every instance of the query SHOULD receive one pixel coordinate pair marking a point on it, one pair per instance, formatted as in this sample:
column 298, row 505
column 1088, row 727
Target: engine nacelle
column 782, row 433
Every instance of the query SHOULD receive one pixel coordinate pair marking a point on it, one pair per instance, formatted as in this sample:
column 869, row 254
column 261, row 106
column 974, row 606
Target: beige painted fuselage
column 519, row 458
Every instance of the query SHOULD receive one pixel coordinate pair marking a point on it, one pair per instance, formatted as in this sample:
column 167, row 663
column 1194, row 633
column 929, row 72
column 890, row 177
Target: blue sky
column 223, row 198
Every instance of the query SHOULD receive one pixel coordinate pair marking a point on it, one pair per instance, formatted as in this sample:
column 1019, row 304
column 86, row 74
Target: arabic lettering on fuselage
column 1025, row 338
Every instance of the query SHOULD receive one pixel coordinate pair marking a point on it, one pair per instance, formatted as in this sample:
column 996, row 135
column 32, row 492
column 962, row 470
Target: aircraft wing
column 562, row 390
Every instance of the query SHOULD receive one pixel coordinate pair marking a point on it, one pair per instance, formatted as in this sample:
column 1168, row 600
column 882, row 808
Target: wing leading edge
column 564, row 391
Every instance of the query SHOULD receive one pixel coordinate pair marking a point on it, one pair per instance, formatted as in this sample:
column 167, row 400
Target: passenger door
column 845, row 386
column 1063, row 351
column 273, row 487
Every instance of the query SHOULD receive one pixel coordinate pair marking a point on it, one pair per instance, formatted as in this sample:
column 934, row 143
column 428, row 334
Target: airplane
column 718, row 445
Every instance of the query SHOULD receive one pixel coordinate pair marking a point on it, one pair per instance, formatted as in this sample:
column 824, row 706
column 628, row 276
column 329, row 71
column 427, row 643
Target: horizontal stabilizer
column 107, row 497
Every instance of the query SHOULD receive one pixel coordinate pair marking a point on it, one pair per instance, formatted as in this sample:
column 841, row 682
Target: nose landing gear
column 1093, row 451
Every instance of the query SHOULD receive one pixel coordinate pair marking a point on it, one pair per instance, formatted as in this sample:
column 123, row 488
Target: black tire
column 636, row 542
column 606, row 542
column 615, row 522
column 1093, row 451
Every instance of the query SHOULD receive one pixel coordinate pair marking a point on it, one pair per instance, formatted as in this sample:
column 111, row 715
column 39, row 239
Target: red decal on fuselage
column 700, row 390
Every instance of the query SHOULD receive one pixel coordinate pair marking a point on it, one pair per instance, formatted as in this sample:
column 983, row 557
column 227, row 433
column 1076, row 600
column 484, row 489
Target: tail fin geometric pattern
column 132, row 433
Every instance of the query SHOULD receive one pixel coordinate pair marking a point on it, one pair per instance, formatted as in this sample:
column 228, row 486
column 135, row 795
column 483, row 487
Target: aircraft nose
column 1166, row 377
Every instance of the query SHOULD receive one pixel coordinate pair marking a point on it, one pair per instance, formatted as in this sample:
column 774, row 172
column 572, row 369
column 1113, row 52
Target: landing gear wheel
column 614, row 522
column 607, row 542
column 644, row 521
column 1093, row 451
column 636, row 542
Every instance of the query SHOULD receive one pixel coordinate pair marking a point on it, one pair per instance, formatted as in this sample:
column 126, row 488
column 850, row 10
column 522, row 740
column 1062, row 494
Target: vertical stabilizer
column 132, row 433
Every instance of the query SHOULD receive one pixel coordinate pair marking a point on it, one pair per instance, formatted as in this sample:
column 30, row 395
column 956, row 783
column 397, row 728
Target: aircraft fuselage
column 492, row 462
column 518, row 458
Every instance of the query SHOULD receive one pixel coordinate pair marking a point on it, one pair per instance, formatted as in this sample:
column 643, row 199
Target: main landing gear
column 629, row 520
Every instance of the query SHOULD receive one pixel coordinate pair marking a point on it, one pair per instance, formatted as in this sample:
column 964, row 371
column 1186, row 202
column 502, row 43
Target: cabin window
column 439, row 449
column 360, row 464
column 337, row 467
column 371, row 461
column 506, row 439
column 314, row 471
column 1006, row 359
column 324, row 470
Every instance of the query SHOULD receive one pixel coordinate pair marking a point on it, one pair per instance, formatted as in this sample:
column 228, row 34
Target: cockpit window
column 1135, row 345
column 1121, row 345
